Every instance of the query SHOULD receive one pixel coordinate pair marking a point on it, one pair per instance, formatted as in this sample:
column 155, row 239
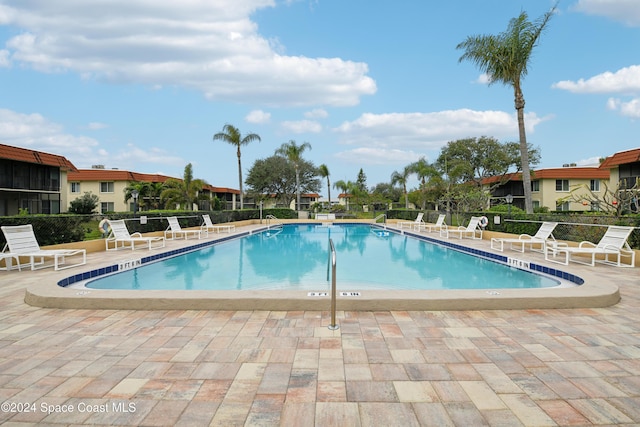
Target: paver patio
column 567, row 367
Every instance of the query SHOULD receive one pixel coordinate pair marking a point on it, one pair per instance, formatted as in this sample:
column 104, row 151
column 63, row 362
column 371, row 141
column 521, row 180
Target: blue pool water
column 296, row 258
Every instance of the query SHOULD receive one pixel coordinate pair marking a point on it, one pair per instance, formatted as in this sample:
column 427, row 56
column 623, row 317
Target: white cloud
column 378, row 156
column 483, row 79
column 591, row 161
column 625, row 11
column 210, row 46
column 625, row 80
column 318, row 113
column 258, row 117
column 35, row 132
column 430, row 131
column 301, row 126
column 96, row 126
column 629, row 109
column 131, row 157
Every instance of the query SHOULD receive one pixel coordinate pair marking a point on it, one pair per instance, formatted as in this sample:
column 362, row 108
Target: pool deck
column 506, row 367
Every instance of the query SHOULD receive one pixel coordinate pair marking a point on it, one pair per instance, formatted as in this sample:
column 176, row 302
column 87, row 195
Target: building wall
column 116, row 197
column 548, row 195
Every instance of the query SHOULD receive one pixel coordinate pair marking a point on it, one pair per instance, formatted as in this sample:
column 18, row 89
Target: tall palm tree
column 402, row 178
column 232, row 135
column 505, row 58
column 185, row 192
column 324, row 172
column 293, row 152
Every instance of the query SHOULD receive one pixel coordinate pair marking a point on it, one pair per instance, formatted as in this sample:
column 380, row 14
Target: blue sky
column 143, row 85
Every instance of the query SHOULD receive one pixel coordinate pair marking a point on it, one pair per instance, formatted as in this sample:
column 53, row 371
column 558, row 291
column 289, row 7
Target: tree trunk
column 524, row 150
column 240, row 179
column 297, row 189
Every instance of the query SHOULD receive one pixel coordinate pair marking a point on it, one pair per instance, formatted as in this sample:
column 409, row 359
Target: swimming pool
column 295, row 257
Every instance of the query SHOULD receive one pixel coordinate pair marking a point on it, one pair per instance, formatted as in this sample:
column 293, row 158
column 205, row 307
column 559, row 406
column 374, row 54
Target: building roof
column 554, row 173
column 621, row 158
column 123, row 175
column 36, row 157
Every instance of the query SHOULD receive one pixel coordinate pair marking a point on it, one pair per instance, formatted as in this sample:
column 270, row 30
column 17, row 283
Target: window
column 75, row 187
column 106, row 187
column 535, row 185
column 536, row 204
column 106, row 207
column 562, row 185
column 594, row 185
column 562, row 206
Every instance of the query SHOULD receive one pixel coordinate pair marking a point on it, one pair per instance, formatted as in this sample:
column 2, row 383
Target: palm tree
column 232, row 135
column 143, row 189
column 293, row 152
column 323, row 170
column 183, row 192
column 401, row 178
column 344, row 187
column 424, row 171
column 504, row 58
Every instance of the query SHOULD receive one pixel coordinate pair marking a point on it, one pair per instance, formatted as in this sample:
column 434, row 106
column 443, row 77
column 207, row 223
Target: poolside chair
column 21, row 242
column 121, row 238
column 413, row 223
column 613, row 243
column 208, row 225
column 472, row 230
column 544, row 233
column 175, row 231
column 438, row 226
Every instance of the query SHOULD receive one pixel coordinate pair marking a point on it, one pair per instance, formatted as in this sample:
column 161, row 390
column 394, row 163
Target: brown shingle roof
column 37, row 157
column 621, row 158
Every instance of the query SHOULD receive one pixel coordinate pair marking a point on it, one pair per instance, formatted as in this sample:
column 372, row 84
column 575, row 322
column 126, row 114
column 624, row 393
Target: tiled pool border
column 535, row 268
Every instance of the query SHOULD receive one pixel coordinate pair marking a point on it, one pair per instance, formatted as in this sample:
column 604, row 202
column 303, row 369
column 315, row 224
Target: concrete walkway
column 567, row 367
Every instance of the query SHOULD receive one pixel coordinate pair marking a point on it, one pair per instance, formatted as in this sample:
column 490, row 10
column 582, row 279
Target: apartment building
column 32, row 181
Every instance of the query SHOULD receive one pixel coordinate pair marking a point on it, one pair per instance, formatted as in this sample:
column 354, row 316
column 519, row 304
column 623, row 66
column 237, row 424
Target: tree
column 344, row 188
column 232, row 135
column 323, row 171
column 141, row 187
column 84, row 205
column 293, row 152
column 361, row 181
column 276, row 176
column 473, row 159
column 505, row 58
column 401, row 178
column 425, row 173
column 185, row 192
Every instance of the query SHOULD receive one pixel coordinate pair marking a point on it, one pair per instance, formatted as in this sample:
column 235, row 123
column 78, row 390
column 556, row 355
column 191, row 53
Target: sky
column 143, row 85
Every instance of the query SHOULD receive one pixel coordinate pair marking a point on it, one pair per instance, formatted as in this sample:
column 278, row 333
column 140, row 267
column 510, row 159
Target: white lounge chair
column 472, row 230
column 413, row 223
column 208, row 225
column 120, row 237
column 175, row 231
column 613, row 243
column 21, row 242
column 544, row 233
column 438, row 226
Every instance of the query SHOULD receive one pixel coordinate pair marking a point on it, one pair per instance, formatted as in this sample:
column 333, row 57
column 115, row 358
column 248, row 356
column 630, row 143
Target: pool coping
column 592, row 291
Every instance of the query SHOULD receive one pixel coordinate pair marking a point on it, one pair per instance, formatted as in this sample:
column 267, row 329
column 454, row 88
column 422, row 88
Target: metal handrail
column 332, row 260
column 383, row 216
column 269, row 218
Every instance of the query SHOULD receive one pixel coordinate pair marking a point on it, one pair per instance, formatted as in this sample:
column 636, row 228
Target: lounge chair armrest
column 136, row 234
column 587, row 244
column 525, row 237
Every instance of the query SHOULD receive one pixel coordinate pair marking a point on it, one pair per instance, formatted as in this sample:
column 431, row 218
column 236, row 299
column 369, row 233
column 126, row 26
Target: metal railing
column 381, row 216
column 332, row 262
